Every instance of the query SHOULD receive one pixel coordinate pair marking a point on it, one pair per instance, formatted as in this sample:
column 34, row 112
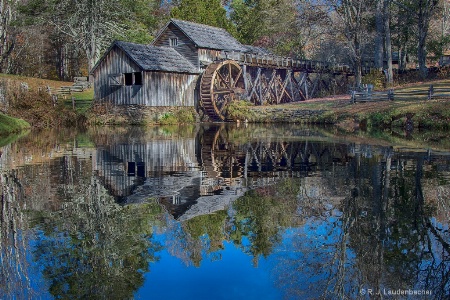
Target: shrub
column 185, row 115
column 168, row 119
column 239, row 110
column 376, row 78
column 379, row 120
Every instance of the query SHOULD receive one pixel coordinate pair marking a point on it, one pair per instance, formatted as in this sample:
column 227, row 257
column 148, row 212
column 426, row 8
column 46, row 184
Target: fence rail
column 367, row 95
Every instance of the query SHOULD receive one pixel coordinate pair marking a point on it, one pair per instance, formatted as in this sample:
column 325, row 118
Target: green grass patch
column 9, row 125
column 83, row 101
column 168, row 119
column 183, row 115
column 240, row 110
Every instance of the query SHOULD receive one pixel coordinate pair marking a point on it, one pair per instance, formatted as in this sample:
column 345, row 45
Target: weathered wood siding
column 208, row 55
column 169, row 89
column 185, row 46
column 157, row 89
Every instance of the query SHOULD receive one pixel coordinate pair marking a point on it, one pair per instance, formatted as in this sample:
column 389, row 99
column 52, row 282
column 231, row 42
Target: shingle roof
column 257, row 50
column 209, row 37
column 151, row 58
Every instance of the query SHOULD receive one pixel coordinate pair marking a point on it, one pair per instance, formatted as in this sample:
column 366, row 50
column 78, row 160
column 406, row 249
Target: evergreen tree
column 208, row 12
column 272, row 24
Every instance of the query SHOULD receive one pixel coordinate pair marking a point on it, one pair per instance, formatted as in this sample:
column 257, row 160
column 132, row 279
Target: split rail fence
column 366, row 94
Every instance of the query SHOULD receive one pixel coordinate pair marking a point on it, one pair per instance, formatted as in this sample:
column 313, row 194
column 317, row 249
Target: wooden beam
column 254, row 85
column 266, row 92
column 299, row 88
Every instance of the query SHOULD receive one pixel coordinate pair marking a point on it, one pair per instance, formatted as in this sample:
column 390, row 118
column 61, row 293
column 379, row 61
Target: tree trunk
column 401, row 59
column 421, row 49
column 378, row 59
column 7, row 41
column 358, row 63
column 425, row 12
column 387, row 35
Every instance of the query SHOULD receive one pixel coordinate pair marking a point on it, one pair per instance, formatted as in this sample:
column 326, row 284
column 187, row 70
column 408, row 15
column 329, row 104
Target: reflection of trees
column 320, row 263
column 379, row 236
column 353, row 221
column 87, row 245
column 397, row 233
column 201, row 235
column 95, row 248
column 14, row 278
column 261, row 215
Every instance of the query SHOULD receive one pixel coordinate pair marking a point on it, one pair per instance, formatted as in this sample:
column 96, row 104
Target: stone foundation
column 108, row 114
column 283, row 115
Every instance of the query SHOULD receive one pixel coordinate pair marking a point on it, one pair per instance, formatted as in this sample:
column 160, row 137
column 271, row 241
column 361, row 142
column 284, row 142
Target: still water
column 223, row 212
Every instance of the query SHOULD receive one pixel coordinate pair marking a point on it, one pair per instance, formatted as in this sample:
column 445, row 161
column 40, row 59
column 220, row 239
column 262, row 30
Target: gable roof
column 151, row 58
column 205, row 36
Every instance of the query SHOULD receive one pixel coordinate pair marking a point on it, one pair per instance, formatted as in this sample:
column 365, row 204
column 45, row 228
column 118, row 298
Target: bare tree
column 423, row 11
column 90, row 23
column 378, row 58
column 354, row 16
column 387, row 37
column 7, row 40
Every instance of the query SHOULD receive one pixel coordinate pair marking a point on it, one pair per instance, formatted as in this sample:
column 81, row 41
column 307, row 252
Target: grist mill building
column 166, row 72
column 196, row 65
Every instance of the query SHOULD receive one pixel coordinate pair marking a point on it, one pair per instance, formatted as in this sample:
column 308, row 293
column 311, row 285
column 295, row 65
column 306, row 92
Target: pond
column 224, row 212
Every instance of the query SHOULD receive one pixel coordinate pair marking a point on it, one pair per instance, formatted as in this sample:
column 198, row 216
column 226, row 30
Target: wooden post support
column 54, row 99
column 391, row 95
column 353, row 96
column 430, row 92
column 73, row 103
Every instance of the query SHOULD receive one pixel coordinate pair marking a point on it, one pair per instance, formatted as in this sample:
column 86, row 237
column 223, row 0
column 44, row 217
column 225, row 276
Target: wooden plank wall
column 158, row 89
column 169, row 89
column 185, row 46
column 116, row 61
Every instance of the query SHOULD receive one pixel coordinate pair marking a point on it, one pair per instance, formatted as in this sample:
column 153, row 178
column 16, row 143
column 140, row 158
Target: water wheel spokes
column 221, row 83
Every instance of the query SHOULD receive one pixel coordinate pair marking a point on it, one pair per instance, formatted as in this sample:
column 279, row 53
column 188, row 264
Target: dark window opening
column 128, row 78
column 138, row 78
column 173, row 42
column 131, row 168
column 140, row 169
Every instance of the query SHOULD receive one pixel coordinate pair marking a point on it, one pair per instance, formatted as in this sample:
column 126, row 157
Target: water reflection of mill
column 202, row 174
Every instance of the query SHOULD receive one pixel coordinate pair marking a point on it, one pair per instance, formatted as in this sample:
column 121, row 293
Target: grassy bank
column 9, row 125
column 411, row 113
column 28, row 99
column 37, row 108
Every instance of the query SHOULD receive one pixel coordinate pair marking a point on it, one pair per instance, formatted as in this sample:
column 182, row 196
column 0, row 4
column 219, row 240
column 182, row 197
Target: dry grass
column 35, row 83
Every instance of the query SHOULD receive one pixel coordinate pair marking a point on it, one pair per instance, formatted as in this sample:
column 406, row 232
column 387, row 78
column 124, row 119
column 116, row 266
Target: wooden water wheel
column 221, row 83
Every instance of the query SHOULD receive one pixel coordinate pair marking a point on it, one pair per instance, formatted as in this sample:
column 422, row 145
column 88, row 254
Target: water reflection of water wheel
column 220, row 157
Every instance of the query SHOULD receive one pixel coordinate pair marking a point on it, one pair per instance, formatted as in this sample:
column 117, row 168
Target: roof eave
column 115, row 43
column 91, row 72
column 177, row 26
column 167, row 26
column 130, row 56
column 177, row 72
